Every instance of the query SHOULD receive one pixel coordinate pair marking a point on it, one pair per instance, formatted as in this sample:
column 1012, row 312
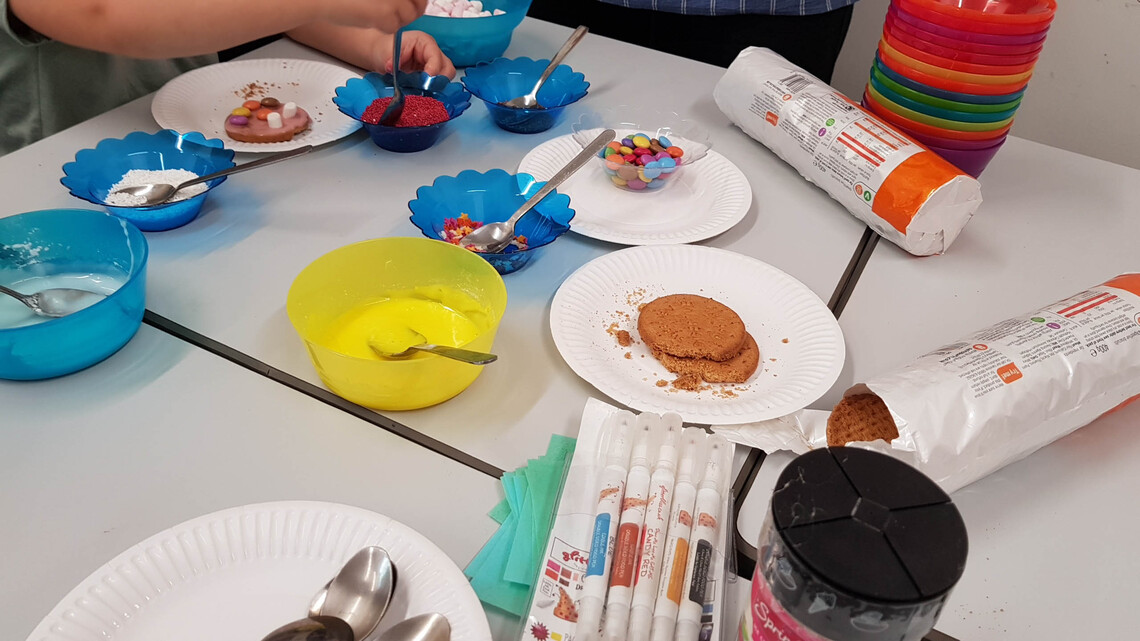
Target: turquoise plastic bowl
column 937, row 112
column 469, row 41
column 69, row 241
column 942, row 93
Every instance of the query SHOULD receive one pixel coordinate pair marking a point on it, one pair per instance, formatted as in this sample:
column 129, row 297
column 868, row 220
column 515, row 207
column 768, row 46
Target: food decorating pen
column 656, row 523
column 611, row 491
column 676, row 553
column 702, row 552
column 627, row 548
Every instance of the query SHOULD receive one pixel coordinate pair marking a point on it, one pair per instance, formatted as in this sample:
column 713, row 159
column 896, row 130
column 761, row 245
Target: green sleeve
column 15, row 29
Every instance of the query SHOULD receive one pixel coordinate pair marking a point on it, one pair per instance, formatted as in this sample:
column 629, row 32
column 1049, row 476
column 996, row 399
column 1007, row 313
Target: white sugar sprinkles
column 140, row 177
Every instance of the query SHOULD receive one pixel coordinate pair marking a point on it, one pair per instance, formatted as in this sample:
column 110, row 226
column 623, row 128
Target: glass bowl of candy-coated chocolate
column 502, row 79
column 651, row 149
column 469, row 41
column 453, row 206
column 357, row 95
column 95, row 171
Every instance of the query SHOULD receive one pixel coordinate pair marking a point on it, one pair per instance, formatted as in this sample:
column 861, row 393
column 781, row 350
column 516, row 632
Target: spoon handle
column 260, row 162
column 571, row 42
column 23, row 298
column 395, row 108
column 584, row 156
column 465, row 355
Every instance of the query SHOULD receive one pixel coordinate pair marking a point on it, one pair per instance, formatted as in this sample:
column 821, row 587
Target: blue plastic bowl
column 972, row 98
column 94, row 171
column 355, row 96
column 56, row 242
column 492, row 197
column 506, row 78
column 469, row 41
column 938, row 112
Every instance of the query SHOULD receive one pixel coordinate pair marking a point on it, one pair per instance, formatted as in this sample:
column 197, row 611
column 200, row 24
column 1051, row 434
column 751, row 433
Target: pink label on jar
column 770, row 621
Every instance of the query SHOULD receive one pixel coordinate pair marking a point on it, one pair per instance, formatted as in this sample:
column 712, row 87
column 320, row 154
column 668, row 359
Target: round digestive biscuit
column 257, row 130
column 737, row 369
column 858, row 418
column 691, row 326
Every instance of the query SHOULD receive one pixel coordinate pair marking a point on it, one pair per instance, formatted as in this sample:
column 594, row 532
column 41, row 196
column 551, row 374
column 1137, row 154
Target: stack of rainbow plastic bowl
column 951, row 73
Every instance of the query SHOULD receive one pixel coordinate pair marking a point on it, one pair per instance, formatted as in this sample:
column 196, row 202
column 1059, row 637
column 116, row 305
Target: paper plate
column 200, row 100
column 243, row 572
column 708, row 198
column 801, row 345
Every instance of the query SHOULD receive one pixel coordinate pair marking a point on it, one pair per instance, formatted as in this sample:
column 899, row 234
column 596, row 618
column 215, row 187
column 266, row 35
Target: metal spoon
column 57, row 302
column 395, row 108
column 530, row 100
column 465, row 355
column 493, row 238
column 359, row 594
column 432, row 626
column 318, row 628
column 158, row 193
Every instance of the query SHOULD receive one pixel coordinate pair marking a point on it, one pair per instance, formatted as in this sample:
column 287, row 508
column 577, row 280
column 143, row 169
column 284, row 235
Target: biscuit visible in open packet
column 906, row 193
column 978, row 404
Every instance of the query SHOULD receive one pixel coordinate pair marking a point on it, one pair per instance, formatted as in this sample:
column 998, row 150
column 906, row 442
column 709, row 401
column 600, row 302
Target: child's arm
column 171, row 29
column 372, row 49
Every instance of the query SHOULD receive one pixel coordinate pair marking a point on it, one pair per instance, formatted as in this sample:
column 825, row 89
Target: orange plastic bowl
column 973, row 20
column 949, row 74
column 906, row 125
column 947, row 84
column 965, row 66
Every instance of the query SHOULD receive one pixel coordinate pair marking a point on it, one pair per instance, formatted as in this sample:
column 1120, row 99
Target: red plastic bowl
column 972, row 37
column 961, row 22
column 954, row 52
column 1027, row 12
column 955, row 65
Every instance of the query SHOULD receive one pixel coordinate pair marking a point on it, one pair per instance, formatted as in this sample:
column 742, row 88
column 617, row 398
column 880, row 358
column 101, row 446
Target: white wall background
column 1084, row 95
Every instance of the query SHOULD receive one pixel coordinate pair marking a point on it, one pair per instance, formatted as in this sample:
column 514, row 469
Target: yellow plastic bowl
column 357, row 275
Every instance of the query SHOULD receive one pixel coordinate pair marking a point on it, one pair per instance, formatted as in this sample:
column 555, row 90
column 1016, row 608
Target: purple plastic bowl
column 970, row 161
column 956, row 145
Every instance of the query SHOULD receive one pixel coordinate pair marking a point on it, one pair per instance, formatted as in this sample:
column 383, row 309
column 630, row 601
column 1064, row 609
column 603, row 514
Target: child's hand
column 418, row 51
column 385, row 15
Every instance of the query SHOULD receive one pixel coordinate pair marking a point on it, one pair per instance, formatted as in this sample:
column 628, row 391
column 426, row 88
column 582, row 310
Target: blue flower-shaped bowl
column 358, row 93
column 94, row 171
column 507, row 78
column 492, row 197
column 469, row 41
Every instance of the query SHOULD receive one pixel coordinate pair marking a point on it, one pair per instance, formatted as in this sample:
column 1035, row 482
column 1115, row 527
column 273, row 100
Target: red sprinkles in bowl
column 454, row 229
column 419, row 111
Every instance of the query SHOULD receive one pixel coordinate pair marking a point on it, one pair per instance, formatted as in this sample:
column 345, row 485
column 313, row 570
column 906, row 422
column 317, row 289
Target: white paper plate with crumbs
column 801, row 345
column 202, row 99
column 709, row 198
column 242, row 572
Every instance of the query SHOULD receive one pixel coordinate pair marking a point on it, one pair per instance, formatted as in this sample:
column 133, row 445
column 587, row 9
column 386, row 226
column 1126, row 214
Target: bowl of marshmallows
column 471, row 31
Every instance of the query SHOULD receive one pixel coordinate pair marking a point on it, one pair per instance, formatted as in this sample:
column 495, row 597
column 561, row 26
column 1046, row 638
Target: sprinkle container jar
column 856, row 546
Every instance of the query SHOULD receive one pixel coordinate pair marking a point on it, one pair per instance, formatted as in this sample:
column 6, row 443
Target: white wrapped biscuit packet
column 908, row 194
column 978, row 404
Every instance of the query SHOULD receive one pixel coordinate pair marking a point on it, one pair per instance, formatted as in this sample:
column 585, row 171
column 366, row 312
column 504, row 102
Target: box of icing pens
column 638, row 548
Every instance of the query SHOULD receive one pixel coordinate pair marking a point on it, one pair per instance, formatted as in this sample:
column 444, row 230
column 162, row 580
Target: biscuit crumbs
column 784, row 341
column 628, row 356
column 624, row 339
column 662, row 382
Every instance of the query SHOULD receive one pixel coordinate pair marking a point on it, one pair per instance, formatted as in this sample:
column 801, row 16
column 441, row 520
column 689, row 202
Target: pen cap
column 589, row 617
column 617, row 620
column 646, row 422
column 688, row 459
column 667, row 455
column 663, row 628
column 688, row 630
column 619, row 446
column 640, row 621
column 712, row 478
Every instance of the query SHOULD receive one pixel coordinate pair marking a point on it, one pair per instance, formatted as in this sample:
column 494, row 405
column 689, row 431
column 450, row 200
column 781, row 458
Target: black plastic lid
column 870, row 525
